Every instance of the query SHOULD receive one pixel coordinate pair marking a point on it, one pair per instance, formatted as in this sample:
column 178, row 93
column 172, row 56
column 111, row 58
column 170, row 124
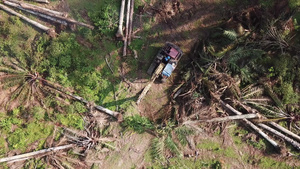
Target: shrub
column 289, row 96
column 294, row 3
column 71, row 120
column 105, row 19
column 137, row 123
column 22, row 137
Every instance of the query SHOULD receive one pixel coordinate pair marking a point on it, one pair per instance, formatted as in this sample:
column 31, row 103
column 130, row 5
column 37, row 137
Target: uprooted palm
column 22, row 85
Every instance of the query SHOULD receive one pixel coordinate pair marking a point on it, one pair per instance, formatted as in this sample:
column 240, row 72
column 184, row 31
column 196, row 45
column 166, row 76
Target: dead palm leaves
column 22, row 86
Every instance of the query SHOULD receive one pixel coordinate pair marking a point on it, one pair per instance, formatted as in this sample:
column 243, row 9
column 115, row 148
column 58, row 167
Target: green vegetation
column 176, row 163
column 137, row 123
column 265, row 162
column 22, row 133
column 66, row 61
column 217, row 149
column 36, row 72
column 240, row 138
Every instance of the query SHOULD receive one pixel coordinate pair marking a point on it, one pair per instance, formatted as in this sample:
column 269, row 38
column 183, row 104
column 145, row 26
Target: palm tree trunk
column 223, row 119
column 284, row 130
column 50, row 14
column 42, row 1
column 254, row 127
column 130, row 22
column 35, row 13
column 293, row 142
column 38, row 8
column 126, row 29
column 100, row 108
column 119, row 33
column 32, row 154
column 50, row 31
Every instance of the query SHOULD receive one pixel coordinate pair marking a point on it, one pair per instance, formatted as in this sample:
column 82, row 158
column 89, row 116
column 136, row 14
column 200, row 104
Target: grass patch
column 32, row 132
column 189, row 163
column 265, row 162
column 217, row 148
column 137, row 123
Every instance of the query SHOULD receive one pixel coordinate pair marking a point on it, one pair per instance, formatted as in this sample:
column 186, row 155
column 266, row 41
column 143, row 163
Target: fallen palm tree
column 46, row 14
column 33, row 85
column 35, row 13
column 291, row 141
column 253, row 126
column 41, row 1
column 224, row 119
column 284, row 130
column 86, row 140
column 38, row 8
column 114, row 114
column 50, row 31
column 36, row 153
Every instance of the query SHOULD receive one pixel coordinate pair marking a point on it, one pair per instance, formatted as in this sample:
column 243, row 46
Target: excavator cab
column 169, row 55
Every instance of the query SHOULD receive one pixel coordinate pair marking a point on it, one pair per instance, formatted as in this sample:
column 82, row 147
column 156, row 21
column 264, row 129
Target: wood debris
column 128, row 24
column 50, row 31
column 42, row 1
column 52, row 15
column 33, row 154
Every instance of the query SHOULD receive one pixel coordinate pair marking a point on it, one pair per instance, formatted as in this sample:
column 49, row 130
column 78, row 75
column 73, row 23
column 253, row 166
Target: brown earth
column 183, row 23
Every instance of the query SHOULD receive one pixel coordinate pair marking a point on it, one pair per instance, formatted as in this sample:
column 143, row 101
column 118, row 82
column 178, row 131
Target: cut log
column 100, row 108
column 223, row 119
column 284, row 130
column 25, row 6
column 40, row 9
column 35, row 13
column 130, row 22
column 32, row 154
column 254, row 127
column 41, row 1
column 119, row 33
column 50, row 31
column 126, row 29
column 293, row 142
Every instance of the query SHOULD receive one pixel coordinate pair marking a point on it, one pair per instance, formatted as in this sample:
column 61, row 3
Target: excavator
column 162, row 66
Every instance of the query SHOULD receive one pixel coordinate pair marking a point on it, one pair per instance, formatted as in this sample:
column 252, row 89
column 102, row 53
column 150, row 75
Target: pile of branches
column 45, row 13
column 206, row 98
column 79, row 141
column 209, row 90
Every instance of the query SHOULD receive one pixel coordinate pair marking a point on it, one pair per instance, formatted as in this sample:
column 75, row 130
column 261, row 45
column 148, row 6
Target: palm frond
column 252, row 91
column 13, row 64
column 11, row 81
column 273, row 96
column 230, row 34
column 241, row 57
column 9, row 70
column 172, row 146
column 182, row 133
column 157, row 149
column 267, row 110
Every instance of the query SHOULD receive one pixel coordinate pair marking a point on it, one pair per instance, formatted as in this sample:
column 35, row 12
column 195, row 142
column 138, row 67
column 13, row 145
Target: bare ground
column 181, row 22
